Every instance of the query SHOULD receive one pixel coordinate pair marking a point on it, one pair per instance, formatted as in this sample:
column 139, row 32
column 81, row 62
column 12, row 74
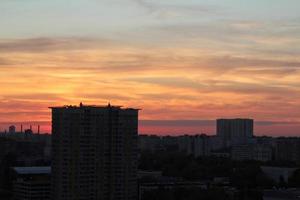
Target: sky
column 184, row 63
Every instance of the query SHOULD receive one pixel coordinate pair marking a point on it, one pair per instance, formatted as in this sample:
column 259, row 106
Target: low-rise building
column 287, row 149
column 262, row 153
column 149, row 143
column 289, row 194
column 241, row 152
column 251, row 152
column 31, row 183
column 278, row 173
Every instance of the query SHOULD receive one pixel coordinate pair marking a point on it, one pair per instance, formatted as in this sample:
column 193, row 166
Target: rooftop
column 32, row 170
column 289, row 194
column 231, row 119
column 90, row 106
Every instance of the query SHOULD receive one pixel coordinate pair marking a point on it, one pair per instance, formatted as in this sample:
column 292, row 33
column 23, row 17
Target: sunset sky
column 183, row 62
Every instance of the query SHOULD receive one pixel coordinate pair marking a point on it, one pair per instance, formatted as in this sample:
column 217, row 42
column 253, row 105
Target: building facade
column 234, row 131
column 287, row 149
column 94, row 153
column 251, row 152
column 31, row 183
column 149, row 143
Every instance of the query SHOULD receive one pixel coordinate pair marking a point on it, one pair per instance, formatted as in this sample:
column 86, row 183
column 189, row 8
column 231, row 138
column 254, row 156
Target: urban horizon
column 178, row 127
column 149, row 99
column 184, row 61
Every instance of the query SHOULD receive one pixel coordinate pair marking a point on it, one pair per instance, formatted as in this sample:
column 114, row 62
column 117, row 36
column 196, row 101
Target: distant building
column 278, row 173
column 287, row 149
column 31, row 183
column 149, row 142
column 17, row 151
column 251, row 152
column 151, row 174
column 12, row 129
column 165, row 184
column 28, row 132
column 262, row 153
column 94, row 153
column 196, row 145
column 201, row 145
column 234, row 131
column 169, row 143
column 185, row 144
column 288, row 194
column 216, row 142
column 264, row 140
column 241, row 152
column 221, row 153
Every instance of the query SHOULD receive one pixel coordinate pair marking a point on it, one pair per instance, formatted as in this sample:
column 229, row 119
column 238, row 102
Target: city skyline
column 184, row 63
column 166, row 127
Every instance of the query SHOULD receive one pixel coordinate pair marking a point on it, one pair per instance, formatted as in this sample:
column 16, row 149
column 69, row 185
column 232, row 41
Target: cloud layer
column 175, row 60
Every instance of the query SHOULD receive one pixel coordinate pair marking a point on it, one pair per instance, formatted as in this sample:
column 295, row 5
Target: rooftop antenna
column 38, row 129
column 21, row 128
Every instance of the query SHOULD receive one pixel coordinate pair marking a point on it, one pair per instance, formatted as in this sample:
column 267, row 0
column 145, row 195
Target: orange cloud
column 167, row 83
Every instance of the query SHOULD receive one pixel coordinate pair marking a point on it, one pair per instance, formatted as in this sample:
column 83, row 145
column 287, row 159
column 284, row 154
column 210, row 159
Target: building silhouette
column 31, row 183
column 287, row 149
column 94, row 152
column 12, row 129
column 234, row 131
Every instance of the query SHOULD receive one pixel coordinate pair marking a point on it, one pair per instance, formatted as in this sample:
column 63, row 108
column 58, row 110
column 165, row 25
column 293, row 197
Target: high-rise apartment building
column 234, row 131
column 94, row 153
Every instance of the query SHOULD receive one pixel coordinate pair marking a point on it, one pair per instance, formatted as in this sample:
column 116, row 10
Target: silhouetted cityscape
column 95, row 152
column 180, row 100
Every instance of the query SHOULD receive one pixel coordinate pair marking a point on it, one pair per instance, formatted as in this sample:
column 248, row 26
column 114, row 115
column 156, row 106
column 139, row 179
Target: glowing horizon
column 191, row 60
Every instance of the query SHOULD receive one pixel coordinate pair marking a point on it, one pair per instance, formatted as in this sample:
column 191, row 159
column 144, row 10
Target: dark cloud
column 26, row 122
column 137, row 60
column 33, row 114
column 104, row 96
column 180, row 123
column 242, row 62
column 187, row 123
column 160, row 96
column 19, row 105
column 175, row 82
column 51, row 44
column 4, row 62
column 213, row 86
column 276, row 73
column 271, row 123
column 35, row 96
column 251, row 88
column 171, row 123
